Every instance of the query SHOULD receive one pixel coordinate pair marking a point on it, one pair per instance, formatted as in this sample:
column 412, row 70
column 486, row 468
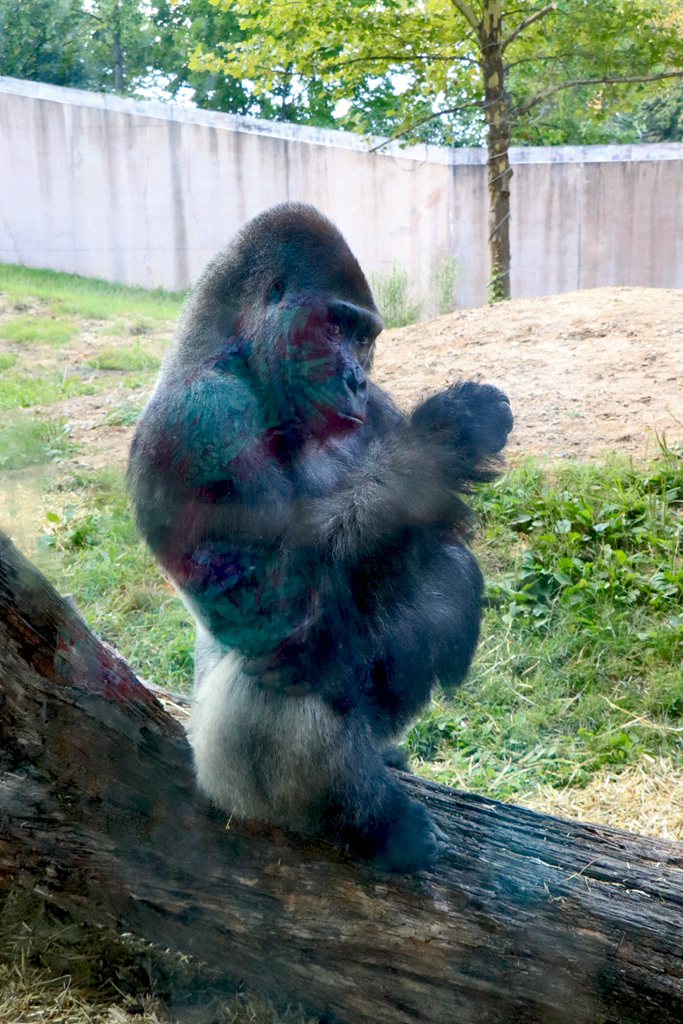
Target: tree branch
column 536, row 16
column 478, row 104
column 577, row 82
column 467, row 13
column 398, row 58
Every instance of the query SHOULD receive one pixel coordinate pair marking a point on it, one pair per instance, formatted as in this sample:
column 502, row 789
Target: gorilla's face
column 320, row 349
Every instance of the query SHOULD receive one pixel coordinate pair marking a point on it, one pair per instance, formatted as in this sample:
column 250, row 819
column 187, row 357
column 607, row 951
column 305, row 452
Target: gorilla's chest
column 249, row 599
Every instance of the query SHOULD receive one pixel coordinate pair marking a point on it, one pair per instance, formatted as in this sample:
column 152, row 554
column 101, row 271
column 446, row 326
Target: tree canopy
column 414, row 70
column 443, row 68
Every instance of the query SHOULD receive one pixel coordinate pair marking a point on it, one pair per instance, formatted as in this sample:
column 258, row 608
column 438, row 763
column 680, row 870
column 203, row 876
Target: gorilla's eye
column 364, row 341
column 275, row 292
column 336, row 329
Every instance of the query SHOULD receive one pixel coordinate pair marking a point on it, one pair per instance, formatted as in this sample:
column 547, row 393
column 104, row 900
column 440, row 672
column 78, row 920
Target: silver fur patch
column 261, row 754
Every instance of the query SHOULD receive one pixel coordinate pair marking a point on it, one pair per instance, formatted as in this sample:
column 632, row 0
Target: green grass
column 44, row 330
column 581, row 661
column 126, row 414
column 128, row 358
column 91, row 548
column 88, row 297
column 7, row 361
column 25, row 441
column 392, row 292
column 20, row 389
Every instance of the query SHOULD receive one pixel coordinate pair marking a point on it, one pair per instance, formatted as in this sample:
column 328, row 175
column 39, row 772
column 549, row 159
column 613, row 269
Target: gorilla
column 316, row 533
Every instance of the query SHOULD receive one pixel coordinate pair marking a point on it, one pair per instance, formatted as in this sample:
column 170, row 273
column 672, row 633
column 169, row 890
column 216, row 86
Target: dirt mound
column 587, row 372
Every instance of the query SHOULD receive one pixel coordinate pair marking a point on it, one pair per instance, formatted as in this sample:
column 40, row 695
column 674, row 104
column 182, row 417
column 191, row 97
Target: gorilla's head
column 295, row 302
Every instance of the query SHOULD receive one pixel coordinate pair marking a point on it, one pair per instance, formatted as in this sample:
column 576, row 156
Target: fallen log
column 527, row 919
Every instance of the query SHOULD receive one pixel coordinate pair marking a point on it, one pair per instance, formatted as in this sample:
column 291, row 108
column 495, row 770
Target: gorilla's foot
column 401, row 837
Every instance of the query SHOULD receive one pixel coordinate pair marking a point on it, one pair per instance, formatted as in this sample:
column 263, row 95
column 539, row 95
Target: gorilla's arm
column 203, row 466
column 411, row 472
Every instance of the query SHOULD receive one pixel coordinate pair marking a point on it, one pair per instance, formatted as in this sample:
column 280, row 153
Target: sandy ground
column 587, row 372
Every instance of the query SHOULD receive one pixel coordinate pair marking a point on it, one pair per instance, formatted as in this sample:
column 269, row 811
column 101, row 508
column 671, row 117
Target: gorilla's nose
column 356, row 380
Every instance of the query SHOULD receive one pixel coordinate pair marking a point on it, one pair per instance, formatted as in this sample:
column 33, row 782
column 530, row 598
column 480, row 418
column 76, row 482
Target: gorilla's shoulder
column 208, row 419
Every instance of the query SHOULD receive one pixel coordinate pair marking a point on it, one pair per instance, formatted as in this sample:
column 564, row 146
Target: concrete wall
column 145, row 193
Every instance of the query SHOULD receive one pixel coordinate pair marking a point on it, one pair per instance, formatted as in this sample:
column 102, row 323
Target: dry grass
column 30, row 994
column 55, row 971
column 646, row 798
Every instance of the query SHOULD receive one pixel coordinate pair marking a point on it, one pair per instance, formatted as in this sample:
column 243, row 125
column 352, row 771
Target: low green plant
column 91, row 548
column 444, row 273
column 20, row 389
column 7, row 361
column 123, row 415
column 42, row 329
column 392, row 295
column 581, row 661
column 27, row 441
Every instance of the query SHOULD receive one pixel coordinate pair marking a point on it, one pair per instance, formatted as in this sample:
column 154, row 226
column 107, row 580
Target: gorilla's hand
column 274, row 673
column 469, row 416
column 300, row 666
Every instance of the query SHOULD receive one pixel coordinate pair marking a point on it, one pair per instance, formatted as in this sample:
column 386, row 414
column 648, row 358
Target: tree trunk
column 498, row 141
column 527, row 919
column 118, row 63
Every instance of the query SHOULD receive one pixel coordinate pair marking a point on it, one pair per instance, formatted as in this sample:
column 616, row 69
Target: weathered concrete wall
column 145, row 193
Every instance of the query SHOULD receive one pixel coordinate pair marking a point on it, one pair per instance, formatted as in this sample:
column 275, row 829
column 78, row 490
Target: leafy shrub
column 392, row 295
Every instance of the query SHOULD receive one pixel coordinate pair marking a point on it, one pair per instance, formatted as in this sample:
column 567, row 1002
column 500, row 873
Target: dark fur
column 316, row 533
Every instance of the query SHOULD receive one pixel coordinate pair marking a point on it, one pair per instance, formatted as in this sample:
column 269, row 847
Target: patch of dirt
column 102, row 445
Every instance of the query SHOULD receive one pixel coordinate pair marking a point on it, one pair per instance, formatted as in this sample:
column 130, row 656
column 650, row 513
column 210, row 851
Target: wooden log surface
column 527, row 919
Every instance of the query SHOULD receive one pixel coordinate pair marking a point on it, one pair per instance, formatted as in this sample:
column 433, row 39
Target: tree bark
column 527, row 919
column 118, row 63
column 498, row 142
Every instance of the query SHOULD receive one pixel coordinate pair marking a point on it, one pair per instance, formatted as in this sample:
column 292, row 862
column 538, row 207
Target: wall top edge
column 343, row 140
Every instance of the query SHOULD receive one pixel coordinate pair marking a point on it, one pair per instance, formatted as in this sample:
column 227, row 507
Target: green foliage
column 7, row 361
column 355, row 52
column 581, row 660
column 655, row 118
column 603, row 40
column 200, row 25
column 87, row 296
column 444, row 273
column 43, row 41
column 411, row 70
column 100, row 45
column 392, row 295
column 25, row 441
column 40, row 329
column 124, row 415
